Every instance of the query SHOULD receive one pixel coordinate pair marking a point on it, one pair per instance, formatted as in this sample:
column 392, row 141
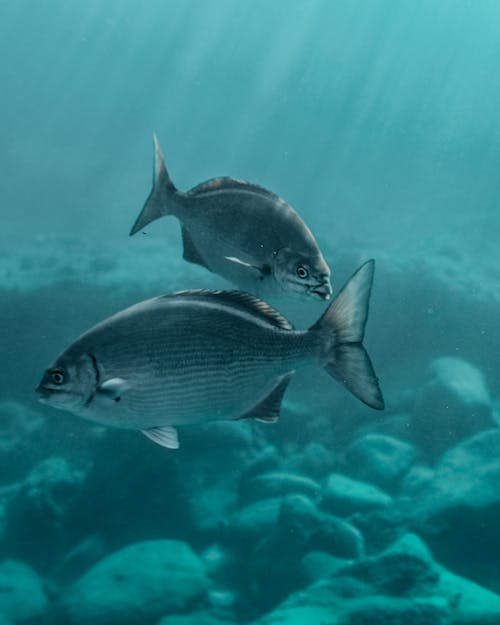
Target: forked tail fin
column 161, row 200
column 342, row 328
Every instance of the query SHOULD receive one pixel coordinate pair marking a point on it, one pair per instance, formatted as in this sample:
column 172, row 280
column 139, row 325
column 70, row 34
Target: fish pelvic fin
column 342, row 329
column 165, row 436
column 190, row 252
column 162, row 199
column 268, row 409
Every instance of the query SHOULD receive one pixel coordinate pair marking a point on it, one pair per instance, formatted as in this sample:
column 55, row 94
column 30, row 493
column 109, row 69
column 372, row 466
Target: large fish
column 242, row 232
column 197, row 356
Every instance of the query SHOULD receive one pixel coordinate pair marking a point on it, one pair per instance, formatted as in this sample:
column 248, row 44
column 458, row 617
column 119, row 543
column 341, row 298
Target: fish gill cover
column 377, row 121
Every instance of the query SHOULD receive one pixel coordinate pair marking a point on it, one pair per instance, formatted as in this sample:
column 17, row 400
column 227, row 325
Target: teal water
column 378, row 121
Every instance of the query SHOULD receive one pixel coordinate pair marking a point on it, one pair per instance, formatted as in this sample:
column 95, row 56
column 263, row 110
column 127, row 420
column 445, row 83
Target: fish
column 197, row 356
column 242, row 232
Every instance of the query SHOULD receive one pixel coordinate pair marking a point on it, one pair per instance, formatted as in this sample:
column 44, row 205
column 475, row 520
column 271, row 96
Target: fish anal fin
column 165, row 436
column 191, row 254
column 268, row 409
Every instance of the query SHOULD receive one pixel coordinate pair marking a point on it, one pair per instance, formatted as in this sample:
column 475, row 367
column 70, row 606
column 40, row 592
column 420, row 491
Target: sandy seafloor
column 334, row 515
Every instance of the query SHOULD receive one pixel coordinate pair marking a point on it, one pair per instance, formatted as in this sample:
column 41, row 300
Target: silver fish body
column 241, row 231
column 197, row 356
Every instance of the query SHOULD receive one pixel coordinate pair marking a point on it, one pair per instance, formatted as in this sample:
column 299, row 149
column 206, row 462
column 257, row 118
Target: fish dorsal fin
column 268, row 410
column 190, row 253
column 227, row 184
column 238, row 300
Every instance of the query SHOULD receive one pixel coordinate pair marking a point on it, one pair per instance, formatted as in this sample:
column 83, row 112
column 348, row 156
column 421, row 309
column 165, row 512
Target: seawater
column 378, row 121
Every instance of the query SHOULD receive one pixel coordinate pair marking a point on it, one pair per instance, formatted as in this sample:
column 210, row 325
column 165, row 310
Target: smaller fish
column 242, row 232
column 199, row 356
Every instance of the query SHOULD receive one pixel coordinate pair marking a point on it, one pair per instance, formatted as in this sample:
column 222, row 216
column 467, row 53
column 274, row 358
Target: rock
column 382, row 610
column 278, row 484
column 405, row 568
column 22, row 598
column 416, row 481
column 22, row 433
column 266, row 461
column 81, row 557
column 136, row 585
column 469, row 603
column 44, row 500
column 401, row 586
column 315, row 461
column 321, row 531
column 230, row 436
column 198, row 618
column 251, row 523
column 272, row 569
column 463, row 501
column 454, row 403
column 379, row 459
column 337, row 537
column 317, row 565
column 344, row 496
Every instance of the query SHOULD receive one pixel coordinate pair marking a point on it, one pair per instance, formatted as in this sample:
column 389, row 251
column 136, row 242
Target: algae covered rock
column 22, row 597
column 136, row 585
column 344, row 496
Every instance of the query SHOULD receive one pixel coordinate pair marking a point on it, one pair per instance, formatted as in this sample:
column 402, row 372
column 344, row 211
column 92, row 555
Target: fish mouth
column 323, row 290
column 44, row 393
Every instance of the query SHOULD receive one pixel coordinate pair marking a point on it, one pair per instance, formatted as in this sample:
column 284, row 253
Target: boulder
column 250, row 524
column 401, row 586
column 379, row 459
column 278, row 484
column 317, row 565
column 314, row 460
column 197, row 618
column 453, row 404
column 344, row 496
column 44, row 500
column 22, row 597
column 22, row 437
column 267, row 460
column 458, row 509
column 136, row 585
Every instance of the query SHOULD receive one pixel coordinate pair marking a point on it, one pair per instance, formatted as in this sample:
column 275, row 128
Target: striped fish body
column 186, row 359
column 203, row 355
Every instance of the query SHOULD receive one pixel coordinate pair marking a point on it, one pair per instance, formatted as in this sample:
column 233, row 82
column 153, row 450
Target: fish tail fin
column 161, row 200
column 341, row 329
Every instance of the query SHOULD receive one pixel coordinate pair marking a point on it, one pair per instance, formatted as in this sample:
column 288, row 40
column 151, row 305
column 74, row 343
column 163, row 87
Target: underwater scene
column 249, row 309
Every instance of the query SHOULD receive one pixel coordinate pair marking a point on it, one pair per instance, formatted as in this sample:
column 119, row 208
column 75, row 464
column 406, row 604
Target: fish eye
column 57, row 377
column 302, row 271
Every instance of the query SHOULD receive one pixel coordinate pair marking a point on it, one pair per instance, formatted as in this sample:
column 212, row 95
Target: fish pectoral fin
column 113, row 388
column 190, row 252
column 268, row 409
column 265, row 270
column 165, row 436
